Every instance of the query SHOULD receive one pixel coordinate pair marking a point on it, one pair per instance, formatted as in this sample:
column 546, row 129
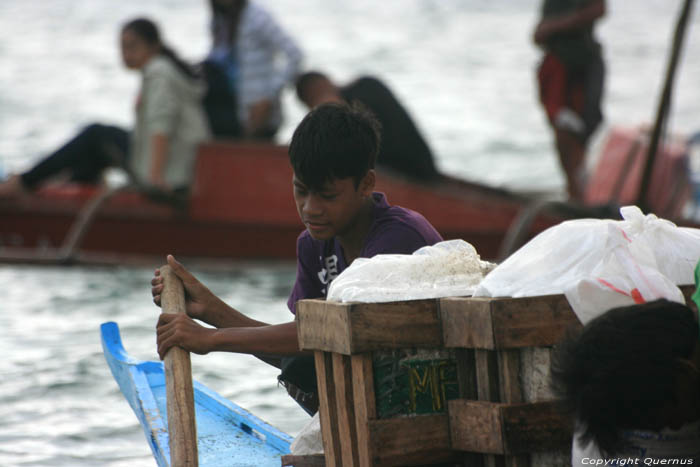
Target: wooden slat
column 511, row 392
column 538, row 426
column 328, row 414
column 351, row 328
column 509, row 429
column 509, row 376
column 323, row 325
column 507, row 323
column 313, row 460
column 342, row 376
column 365, row 404
column 486, row 375
column 467, row 322
column 504, row 323
column 411, row 440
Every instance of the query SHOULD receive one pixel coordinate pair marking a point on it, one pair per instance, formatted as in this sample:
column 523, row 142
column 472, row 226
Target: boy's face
column 335, row 209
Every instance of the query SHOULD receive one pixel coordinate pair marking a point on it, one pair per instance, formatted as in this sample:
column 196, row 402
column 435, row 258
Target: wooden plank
column 506, row 323
column 537, row 426
column 503, row 323
column 408, row 440
column 313, row 460
column 509, row 429
column 475, row 426
column 328, row 414
column 342, row 377
column 350, row 328
column 509, row 376
column 486, row 375
column 467, row 322
column 323, row 325
column 365, row 404
column 511, row 392
column 532, row 321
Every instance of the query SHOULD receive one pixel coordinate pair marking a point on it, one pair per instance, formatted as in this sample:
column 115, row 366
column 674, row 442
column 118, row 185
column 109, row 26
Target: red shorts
column 559, row 89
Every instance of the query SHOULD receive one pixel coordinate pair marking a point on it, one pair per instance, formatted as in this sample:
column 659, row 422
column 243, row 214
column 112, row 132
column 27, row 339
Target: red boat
column 241, row 207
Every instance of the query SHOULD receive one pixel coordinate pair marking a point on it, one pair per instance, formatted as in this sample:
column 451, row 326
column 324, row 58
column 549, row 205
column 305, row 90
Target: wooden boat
column 227, row 434
column 241, row 207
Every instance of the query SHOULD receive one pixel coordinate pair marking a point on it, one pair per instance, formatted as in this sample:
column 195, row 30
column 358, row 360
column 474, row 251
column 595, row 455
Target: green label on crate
column 408, row 385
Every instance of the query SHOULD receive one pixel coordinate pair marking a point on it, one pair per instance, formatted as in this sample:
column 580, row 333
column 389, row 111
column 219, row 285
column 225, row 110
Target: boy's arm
column 182, row 331
column 578, row 19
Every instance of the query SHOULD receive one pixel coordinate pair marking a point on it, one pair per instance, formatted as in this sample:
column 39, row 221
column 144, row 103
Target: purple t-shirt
column 394, row 230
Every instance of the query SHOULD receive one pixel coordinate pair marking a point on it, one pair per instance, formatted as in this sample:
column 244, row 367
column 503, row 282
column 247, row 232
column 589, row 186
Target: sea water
column 463, row 68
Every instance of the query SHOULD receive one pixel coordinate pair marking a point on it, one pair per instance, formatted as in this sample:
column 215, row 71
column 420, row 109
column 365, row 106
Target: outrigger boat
column 240, row 207
column 228, row 436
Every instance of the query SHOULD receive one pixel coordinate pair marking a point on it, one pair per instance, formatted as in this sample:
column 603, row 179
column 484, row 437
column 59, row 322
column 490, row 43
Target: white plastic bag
column 450, row 268
column 601, row 264
column 309, row 440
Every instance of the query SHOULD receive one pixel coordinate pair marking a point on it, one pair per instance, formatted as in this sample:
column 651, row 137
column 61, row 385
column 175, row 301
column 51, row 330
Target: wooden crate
column 504, row 413
column 346, row 340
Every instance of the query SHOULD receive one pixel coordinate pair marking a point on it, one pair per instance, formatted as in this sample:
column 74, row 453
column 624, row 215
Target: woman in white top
column 170, row 124
column 258, row 58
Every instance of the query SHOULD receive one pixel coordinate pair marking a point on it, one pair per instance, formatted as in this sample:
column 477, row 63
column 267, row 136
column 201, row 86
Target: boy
column 632, row 372
column 332, row 152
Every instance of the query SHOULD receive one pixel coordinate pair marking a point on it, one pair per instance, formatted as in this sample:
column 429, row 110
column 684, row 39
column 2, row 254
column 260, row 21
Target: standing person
column 247, row 46
column 403, row 147
column 571, row 80
column 332, row 153
column 170, row 124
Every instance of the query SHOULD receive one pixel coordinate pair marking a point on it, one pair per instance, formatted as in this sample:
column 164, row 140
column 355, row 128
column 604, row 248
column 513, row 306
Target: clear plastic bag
column 450, row 268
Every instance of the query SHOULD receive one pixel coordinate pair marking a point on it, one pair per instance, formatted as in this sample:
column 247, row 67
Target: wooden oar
column 182, row 429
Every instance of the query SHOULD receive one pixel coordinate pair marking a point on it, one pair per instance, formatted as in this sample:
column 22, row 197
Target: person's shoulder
column 159, row 65
column 401, row 229
column 368, row 82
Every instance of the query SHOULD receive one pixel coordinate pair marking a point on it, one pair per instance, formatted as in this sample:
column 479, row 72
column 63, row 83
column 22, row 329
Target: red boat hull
column 241, row 207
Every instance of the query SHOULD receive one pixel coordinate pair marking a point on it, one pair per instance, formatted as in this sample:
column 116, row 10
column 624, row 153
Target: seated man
column 332, row 153
column 403, row 148
column 631, row 373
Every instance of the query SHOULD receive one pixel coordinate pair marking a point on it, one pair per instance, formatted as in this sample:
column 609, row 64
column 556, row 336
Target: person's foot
column 11, row 188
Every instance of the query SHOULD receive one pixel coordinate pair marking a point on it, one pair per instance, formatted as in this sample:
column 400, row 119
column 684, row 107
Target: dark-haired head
column 629, row 369
column 315, row 88
column 141, row 40
column 334, row 141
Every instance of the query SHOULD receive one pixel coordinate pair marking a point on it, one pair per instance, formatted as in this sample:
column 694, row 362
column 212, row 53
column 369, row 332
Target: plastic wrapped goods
column 600, row 264
column 446, row 269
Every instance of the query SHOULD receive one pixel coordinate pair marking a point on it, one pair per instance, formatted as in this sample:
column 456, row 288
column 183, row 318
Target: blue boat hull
column 227, row 434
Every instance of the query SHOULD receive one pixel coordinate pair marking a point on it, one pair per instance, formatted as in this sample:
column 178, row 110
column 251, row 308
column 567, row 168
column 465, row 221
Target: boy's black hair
column 619, row 371
column 334, row 141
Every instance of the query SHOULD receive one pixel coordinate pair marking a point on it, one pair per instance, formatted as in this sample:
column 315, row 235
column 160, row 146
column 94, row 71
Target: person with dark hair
column 332, row 153
column 403, row 147
column 629, row 374
column 256, row 58
column 570, row 80
column 170, row 124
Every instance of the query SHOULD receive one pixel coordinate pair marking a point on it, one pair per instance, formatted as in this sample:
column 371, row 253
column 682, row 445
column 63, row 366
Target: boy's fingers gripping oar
column 178, row 380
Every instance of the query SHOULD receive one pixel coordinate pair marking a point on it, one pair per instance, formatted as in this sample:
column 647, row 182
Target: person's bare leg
column 572, row 154
column 12, row 187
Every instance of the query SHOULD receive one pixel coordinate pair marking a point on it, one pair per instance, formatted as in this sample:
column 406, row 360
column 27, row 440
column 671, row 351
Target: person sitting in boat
column 170, row 124
column 632, row 377
column 403, row 147
column 257, row 58
column 332, row 153
column 570, row 80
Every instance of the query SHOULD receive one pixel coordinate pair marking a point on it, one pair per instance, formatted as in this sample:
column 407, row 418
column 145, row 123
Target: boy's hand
column 178, row 329
column 198, row 298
